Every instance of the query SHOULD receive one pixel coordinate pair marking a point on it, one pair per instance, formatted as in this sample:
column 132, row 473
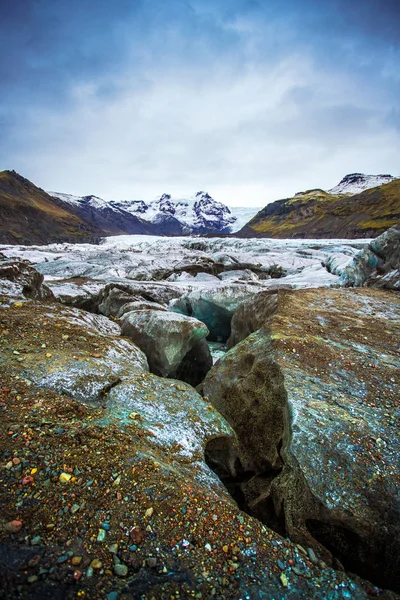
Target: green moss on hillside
column 317, row 214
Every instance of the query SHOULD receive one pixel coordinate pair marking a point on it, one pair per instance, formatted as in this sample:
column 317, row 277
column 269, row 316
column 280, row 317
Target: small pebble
column 35, row 541
column 96, row 564
column 284, row 580
column 121, row 570
column 101, row 536
column 151, row 562
column 312, row 556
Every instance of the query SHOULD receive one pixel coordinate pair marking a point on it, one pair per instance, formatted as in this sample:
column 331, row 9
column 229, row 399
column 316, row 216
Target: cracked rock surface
column 330, row 360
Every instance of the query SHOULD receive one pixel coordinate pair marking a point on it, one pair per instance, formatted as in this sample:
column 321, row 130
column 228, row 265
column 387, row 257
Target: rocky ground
column 106, row 489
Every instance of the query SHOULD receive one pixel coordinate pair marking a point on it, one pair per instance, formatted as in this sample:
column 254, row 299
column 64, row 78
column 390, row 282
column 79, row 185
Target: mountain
column 28, row 215
column 112, row 220
column 354, row 183
column 319, row 214
column 166, row 215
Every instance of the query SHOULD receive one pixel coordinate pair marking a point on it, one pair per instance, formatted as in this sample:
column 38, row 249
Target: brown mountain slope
column 30, row 216
column 318, row 214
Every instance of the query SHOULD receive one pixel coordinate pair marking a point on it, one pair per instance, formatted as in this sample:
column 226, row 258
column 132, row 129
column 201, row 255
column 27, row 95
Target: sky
column 250, row 100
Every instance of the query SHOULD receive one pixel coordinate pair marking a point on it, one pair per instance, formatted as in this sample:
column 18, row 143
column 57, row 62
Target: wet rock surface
column 333, row 360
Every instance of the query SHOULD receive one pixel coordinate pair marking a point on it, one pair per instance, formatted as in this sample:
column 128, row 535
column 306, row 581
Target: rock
column 72, row 369
column 35, row 541
column 115, row 295
column 251, row 315
column 181, row 404
column 79, row 292
column 96, row 564
column 65, row 477
column 139, row 305
column 28, row 282
column 378, row 265
column 326, row 369
column 151, row 562
column 121, row 570
column 168, row 340
column 13, row 526
column 247, row 388
column 113, row 299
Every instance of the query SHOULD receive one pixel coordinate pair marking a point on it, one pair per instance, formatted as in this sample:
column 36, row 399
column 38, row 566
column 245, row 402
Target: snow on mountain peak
column 197, row 214
column 354, row 183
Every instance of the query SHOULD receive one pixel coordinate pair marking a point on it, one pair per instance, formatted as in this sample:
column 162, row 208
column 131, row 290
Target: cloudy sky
column 251, row 100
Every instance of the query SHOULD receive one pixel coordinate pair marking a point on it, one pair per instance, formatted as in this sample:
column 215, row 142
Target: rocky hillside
column 28, row 215
column 319, row 214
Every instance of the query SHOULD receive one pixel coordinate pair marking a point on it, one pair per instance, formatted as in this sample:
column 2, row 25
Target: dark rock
column 26, row 278
column 251, row 315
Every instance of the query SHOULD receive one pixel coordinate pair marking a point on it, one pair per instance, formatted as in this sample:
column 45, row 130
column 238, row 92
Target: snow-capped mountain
column 168, row 215
column 355, row 183
column 199, row 214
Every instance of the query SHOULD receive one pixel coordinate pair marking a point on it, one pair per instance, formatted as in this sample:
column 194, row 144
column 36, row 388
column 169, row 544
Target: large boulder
column 79, row 292
column 115, row 295
column 25, row 280
column 317, row 388
column 68, row 350
column 378, row 265
column 174, row 344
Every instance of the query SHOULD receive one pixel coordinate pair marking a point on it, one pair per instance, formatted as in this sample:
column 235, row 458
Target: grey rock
column 322, row 379
column 378, row 265
column 168, row 340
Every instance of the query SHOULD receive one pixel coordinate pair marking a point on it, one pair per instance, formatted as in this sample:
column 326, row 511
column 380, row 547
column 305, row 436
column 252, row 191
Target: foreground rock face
column 329, row 360
column 87, row 359
column 114, row 499
column 168, row 340
column 378, row 265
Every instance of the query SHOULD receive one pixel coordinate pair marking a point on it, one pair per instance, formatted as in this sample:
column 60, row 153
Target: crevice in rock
column 107, row 388
column 241, row 484
column 266, row 481
column 348, row 547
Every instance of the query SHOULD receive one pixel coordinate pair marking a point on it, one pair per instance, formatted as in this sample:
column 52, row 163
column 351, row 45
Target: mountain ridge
column 320, row 214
